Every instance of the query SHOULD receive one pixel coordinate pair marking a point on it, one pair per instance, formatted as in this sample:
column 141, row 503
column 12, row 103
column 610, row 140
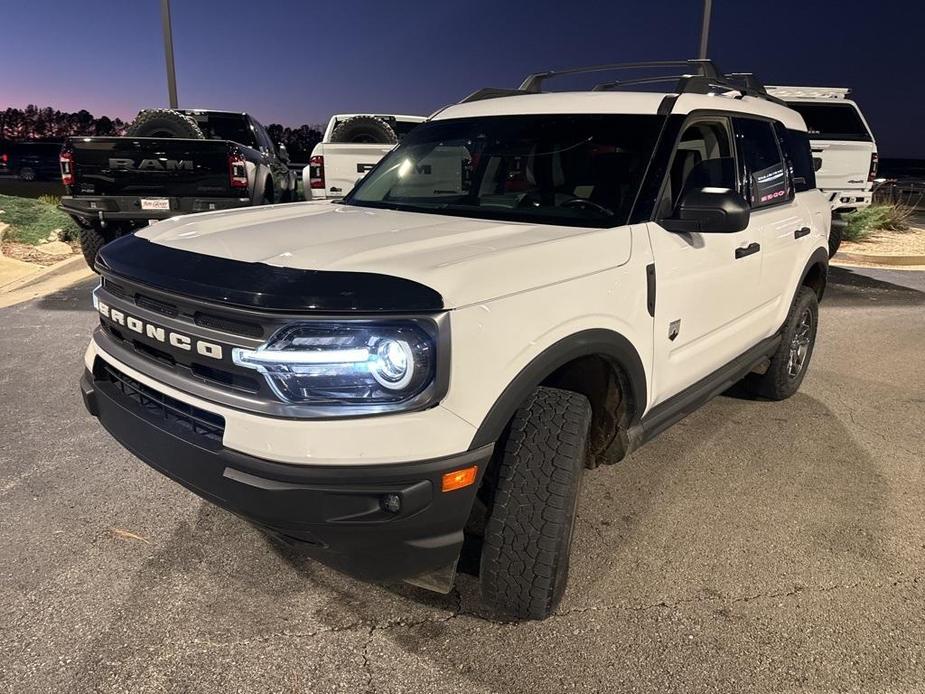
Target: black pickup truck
column 170, row 162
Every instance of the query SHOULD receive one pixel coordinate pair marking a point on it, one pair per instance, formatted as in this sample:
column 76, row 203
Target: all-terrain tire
column 366, row 130
column 528, row 536
column 164, row 122
column 784, row 375
column 93, row 238
column 835, row 238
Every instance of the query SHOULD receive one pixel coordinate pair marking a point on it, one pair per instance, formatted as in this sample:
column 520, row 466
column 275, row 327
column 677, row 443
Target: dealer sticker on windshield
column 155, row 203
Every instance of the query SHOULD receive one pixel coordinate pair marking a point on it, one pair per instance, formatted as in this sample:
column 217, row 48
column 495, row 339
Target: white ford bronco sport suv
column 532, row 284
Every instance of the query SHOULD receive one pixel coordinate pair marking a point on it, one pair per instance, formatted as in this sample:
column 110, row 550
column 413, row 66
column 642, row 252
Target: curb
column 881, row 259
column 61, row 268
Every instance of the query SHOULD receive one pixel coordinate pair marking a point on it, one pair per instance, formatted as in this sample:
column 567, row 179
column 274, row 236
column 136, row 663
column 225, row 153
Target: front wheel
column 790, row 361
column 528, row 535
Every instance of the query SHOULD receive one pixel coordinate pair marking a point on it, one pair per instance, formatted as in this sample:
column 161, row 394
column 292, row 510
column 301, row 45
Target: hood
column 465, row 260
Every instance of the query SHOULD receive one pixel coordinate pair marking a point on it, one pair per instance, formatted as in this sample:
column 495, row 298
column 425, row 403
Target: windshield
column 832, row 121
column 573, row 170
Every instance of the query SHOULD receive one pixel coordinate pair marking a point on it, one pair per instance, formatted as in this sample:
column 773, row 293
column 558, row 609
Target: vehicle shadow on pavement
column 77, row 297
column 850, row 287
column 740, row 504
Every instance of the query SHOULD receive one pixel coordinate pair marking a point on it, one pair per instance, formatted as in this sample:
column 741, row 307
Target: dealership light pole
column 168, row 53
column 704, row 29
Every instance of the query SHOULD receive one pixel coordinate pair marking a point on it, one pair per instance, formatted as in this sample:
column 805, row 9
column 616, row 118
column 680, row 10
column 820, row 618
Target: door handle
column 800, row 233
column 750, row 249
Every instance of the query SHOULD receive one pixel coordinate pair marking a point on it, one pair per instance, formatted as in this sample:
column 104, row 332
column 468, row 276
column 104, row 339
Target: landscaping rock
column 56, row 248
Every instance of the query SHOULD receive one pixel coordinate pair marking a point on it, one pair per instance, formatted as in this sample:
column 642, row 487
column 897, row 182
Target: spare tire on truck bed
column 364, row 130
column 164, row 122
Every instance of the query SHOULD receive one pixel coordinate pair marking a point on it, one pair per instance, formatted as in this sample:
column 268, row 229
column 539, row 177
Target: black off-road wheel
column 164, row 122
column 790, row 361
column 536, row 479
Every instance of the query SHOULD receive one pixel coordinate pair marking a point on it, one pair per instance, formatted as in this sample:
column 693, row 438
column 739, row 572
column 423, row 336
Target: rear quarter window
column 835, row 121
column 767, row 181
column 798, row 156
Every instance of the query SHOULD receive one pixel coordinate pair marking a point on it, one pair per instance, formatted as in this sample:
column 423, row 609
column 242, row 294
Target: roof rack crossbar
column 702, row 67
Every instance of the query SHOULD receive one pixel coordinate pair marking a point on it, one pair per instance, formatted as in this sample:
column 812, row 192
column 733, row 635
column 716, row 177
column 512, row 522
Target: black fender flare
column 819, row 257
column 602, row 342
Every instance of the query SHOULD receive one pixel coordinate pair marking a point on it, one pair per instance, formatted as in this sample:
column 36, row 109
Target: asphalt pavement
column 753, row 547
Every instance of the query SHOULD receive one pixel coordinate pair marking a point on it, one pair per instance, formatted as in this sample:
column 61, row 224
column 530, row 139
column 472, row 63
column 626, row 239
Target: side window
column 799, row 157
column 704, row 158
column 768, row 182
column 263, row 139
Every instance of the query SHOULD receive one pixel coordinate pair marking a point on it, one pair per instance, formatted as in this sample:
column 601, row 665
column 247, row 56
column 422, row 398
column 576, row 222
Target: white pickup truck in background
column 352, row 145
column 844, row 150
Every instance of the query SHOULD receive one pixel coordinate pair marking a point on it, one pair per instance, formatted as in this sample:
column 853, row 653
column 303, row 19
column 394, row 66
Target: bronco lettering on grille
column 159, row 334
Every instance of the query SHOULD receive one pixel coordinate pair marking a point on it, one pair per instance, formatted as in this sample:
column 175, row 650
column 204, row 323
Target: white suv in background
column 532, row 284
column 843, row 146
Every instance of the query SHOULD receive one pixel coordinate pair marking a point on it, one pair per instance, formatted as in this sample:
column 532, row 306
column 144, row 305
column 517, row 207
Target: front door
column 707, row 285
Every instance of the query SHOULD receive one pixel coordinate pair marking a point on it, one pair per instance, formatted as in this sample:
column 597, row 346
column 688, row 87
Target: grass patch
column 889, row 217
column 32, row 221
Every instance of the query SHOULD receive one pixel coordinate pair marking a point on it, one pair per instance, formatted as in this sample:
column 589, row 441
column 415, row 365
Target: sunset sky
column 294, row 62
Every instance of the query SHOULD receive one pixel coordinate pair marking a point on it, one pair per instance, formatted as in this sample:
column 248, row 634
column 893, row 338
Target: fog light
column 391, row 503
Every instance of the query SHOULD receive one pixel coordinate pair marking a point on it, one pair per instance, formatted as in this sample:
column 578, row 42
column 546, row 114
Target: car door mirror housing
column 709, row 210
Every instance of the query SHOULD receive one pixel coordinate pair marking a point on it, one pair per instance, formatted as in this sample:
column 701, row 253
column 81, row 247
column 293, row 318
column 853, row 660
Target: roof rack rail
column 704, row 77
column 702, row 67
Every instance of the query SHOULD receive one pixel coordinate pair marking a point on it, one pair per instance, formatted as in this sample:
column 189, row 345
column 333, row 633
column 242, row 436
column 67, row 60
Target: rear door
column 777, row 220
column 842, row 141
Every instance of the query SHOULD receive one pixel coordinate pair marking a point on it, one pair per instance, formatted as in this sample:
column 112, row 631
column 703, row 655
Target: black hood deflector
column 262, row 286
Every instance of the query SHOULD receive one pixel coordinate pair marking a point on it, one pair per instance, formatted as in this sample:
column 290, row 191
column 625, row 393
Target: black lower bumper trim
column 336, row 514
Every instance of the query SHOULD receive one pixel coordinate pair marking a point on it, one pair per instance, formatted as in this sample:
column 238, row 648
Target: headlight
column 344, row 363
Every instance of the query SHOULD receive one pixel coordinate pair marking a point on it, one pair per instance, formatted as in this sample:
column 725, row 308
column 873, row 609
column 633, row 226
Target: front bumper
column 128, row 207
column 336, row 514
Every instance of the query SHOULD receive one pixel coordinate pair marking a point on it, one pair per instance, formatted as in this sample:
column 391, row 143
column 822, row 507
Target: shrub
column 887, row 217
column 32, row 221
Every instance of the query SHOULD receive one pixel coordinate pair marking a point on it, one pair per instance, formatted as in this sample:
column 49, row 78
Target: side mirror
column 283, row 152
column 709, row 210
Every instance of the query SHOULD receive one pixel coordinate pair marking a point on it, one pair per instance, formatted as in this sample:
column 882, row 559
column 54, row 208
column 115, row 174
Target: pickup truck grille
column 162, row 410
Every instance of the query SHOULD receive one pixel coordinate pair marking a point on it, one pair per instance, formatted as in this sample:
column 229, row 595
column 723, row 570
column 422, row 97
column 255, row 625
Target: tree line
column 49, row 124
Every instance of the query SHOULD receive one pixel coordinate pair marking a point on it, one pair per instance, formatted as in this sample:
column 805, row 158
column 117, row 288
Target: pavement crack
column 797, row 590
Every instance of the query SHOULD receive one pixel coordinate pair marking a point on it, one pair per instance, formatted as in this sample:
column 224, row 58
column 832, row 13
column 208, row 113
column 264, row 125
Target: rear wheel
column 93, row 238
column 835, row 238
column 528, row 535
column 790, row 361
